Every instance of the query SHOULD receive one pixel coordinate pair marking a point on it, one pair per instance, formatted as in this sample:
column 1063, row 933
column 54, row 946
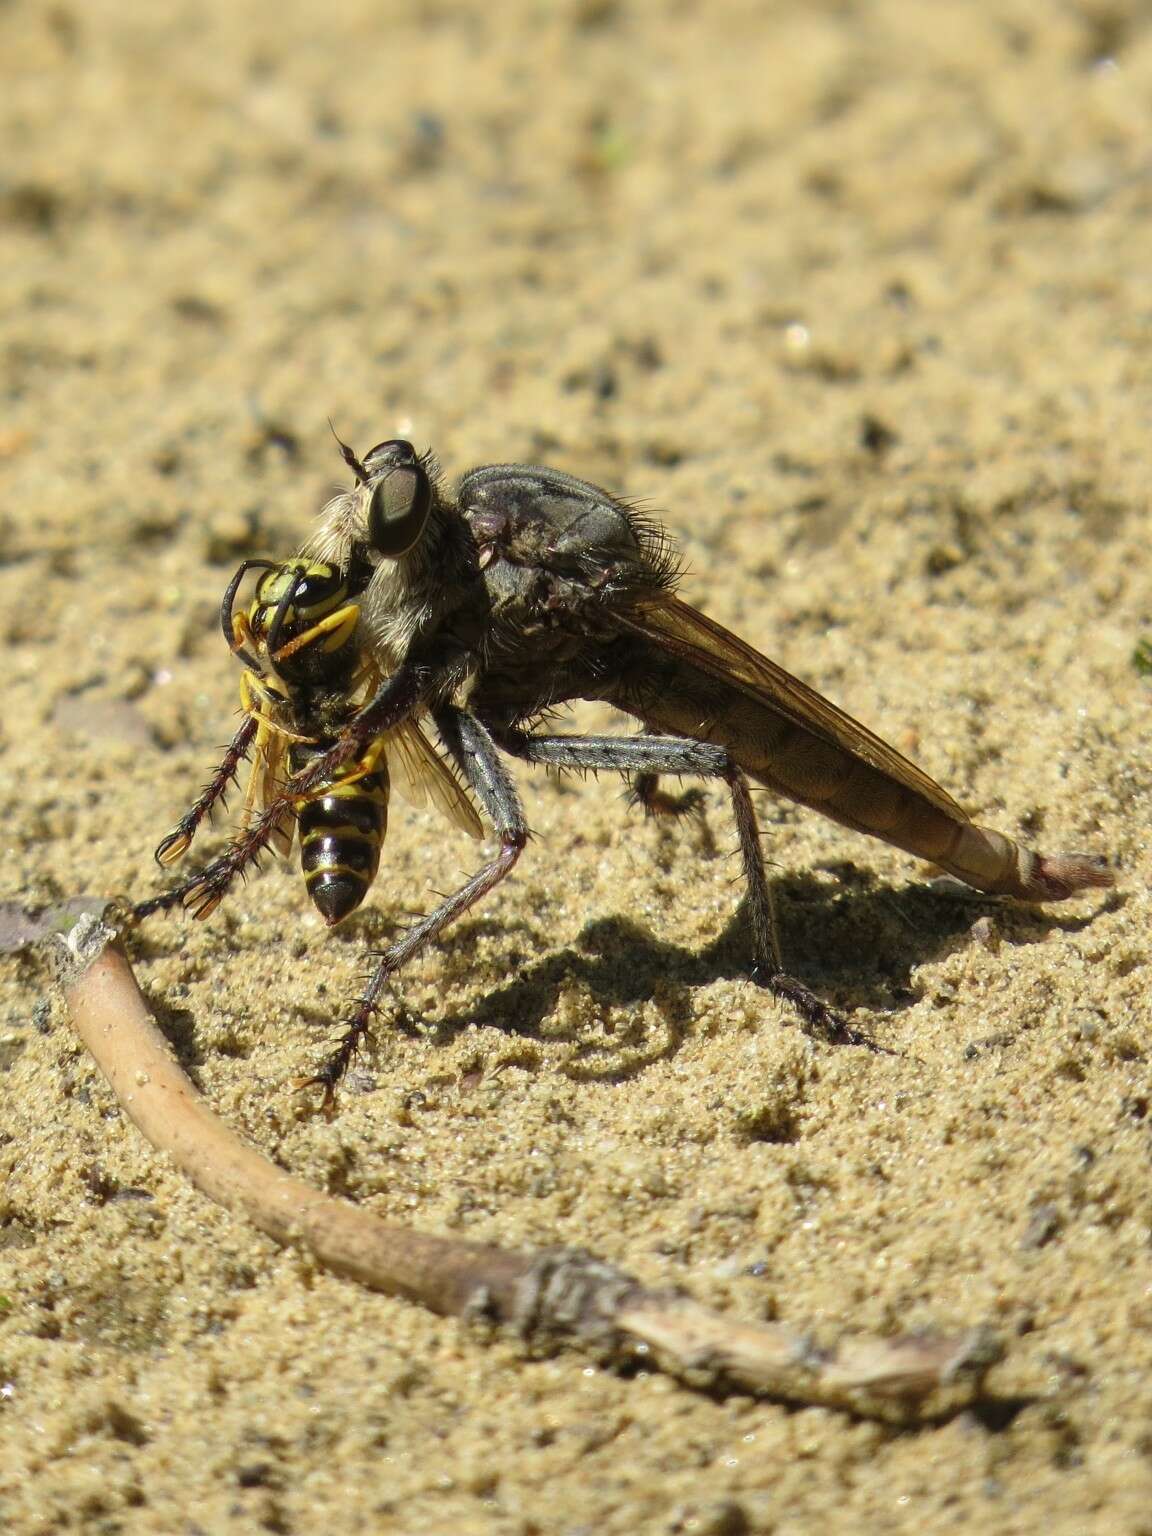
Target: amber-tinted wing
column 683, row 631
column 422, row 775
column 416, row 768
column 267, row 775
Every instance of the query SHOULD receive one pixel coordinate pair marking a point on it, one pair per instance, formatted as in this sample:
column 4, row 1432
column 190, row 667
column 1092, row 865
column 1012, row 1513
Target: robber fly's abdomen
column 803, row 766
column 341, row 835
column 857, row 795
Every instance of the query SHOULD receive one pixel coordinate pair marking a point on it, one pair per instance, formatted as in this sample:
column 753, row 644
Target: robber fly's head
column 381, row 529
column 399, row 491
column 300, row 625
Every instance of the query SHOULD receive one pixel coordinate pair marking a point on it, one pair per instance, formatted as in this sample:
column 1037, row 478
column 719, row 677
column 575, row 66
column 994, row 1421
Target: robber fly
column 529, row 588
column 304, row 681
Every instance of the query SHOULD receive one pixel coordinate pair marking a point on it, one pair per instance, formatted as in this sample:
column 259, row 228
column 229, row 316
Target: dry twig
column 549, row 1298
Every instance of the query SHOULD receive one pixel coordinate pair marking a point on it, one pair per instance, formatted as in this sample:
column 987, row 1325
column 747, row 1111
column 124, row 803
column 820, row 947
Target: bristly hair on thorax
column 662, row 556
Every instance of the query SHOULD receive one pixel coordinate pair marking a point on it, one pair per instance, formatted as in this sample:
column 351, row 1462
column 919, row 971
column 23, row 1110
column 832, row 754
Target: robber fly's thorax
column 399, row 607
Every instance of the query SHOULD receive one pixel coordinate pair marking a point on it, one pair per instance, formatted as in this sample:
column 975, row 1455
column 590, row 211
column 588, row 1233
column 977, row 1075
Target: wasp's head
column 293, row 597
column 300, row 625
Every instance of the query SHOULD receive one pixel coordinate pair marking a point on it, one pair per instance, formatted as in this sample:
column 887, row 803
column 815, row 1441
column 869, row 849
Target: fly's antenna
column 348, row 456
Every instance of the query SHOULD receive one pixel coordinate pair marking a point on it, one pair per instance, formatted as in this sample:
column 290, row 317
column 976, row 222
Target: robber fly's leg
column 645, row 791
column 475, row 753
column 202, row 894
column 178, row 841
column 643, row 759
column 176, row 844
column 652, row 755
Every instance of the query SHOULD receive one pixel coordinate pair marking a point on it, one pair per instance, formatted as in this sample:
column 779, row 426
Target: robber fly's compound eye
column 401, row 498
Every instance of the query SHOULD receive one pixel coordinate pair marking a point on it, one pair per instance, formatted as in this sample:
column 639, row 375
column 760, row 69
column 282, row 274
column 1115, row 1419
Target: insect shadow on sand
column 860, row 938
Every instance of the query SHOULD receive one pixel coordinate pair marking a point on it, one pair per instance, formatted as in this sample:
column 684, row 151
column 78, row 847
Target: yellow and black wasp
column 304, row 680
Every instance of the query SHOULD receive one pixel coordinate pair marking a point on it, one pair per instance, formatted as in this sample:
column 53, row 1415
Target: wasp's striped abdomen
column 341, row 834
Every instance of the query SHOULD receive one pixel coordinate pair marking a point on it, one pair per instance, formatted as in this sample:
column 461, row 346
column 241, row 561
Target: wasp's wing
column 266, row 780
column 684, row 632
column 421, row 775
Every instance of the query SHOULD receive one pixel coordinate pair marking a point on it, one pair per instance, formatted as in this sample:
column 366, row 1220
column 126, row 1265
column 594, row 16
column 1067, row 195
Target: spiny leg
column 475, row 754
column 645, row 791
column 648, row 756
column 203, row 893
column 176, row 844
column 767, row 965
column 178, row 841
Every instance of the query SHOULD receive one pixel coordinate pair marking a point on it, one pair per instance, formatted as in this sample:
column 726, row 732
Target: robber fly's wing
column 683, row 631
column 267, row 775
column 421, row 775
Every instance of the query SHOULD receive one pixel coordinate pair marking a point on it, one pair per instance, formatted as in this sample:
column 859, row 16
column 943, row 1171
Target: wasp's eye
column 401, row 499
column 317, row 586
column 276, row 580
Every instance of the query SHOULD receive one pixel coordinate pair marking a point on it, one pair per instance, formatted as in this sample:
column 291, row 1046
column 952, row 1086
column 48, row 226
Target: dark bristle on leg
column 202, row 893
column 179, row 840
column 645, row 791
column 333, row 1071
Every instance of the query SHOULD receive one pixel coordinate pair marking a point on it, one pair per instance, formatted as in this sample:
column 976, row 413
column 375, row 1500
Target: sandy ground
column 858, row 296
